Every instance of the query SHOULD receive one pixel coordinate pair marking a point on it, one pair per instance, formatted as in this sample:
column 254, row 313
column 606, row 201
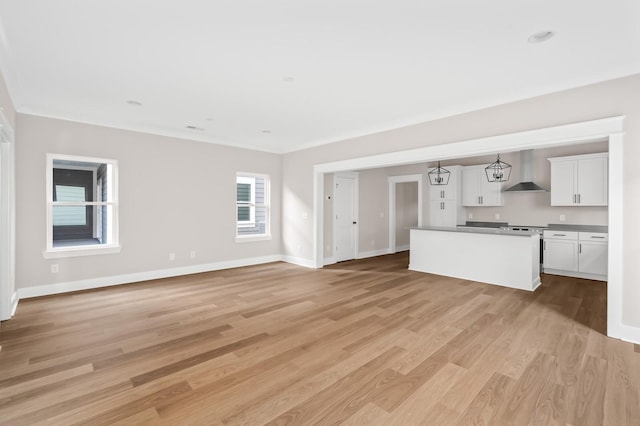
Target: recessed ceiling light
column 266, row 132
column 134, row 103
column 540, row 36
column 194, row 128
column 288, row 79
column 209, row 118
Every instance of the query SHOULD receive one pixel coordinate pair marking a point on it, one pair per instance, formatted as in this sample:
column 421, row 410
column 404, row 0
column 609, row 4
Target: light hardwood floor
column 358, row 343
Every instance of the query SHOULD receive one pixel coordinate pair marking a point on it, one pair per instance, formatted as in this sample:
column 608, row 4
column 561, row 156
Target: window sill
column 80, row 251
column 252, row 238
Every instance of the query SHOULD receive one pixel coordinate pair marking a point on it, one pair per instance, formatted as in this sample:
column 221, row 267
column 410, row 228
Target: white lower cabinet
column 561, row 254
column 576, row 254
column 444, row 213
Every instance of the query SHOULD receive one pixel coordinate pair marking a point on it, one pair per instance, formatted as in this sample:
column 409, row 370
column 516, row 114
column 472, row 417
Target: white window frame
column 250, row 178
column 113, row 245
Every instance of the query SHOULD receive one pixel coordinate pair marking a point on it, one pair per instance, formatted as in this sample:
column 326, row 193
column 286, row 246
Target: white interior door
column 346, row 217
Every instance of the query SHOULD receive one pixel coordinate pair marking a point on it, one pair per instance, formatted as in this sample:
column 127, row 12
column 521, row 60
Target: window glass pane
column 243, row 192
column 71, row 193
column 244, row 213
column 70, row 215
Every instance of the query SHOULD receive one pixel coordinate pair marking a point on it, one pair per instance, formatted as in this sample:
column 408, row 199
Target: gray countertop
column 577, row 228
column 477, row 230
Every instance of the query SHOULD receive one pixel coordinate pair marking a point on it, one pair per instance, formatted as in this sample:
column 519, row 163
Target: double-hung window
column 252, row 206
column 82, row 206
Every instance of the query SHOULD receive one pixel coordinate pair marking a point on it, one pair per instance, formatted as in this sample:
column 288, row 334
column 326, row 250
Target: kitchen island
column 488, row 255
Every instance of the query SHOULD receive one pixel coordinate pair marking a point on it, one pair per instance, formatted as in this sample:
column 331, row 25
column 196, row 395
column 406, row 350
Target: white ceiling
column 282, row 75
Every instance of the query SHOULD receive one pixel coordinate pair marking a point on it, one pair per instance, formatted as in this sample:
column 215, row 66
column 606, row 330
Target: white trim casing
column 8, row 298
column 590, row 131
column 373, row 253
column 113, row 245
column 393, row 180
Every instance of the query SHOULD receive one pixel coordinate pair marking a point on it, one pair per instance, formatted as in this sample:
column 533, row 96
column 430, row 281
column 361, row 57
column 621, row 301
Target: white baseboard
column 14, row 303
column 300, row 261
column 584, row 275
column 372, row 253
column 57, row 288
column 627, row 333
column 404, row 247
column 329, row 260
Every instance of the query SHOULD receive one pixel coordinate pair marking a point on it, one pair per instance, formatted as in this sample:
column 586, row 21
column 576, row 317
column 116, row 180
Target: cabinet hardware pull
column 559, row 235
column 579, row 202
column 544, row 245
column 574, row 198
column 579, row 248
column 595, row 236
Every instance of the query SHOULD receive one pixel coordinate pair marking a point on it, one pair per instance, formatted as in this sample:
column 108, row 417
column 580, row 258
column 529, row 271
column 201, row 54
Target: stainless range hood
column 526, row 175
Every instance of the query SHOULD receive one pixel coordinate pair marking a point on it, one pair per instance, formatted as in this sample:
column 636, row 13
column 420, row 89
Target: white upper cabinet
column 451, row 191
column 477, row 191
column 580, row 180
column 445, row 208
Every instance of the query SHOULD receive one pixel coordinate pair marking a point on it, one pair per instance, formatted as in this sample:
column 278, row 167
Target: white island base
column 489, row 256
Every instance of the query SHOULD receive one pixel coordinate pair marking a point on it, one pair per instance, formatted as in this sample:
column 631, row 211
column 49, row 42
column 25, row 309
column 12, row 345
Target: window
column 82, row 206
column 252, row 206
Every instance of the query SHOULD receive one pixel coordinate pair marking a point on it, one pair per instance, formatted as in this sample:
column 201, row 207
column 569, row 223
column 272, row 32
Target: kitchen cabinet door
column 563, row 183
column 593, row 182
column 449, row 191
column 561, row 255
column 477, row 191
column 470, row 192
column 593, row 257
column 580, row 180
column 443, row 213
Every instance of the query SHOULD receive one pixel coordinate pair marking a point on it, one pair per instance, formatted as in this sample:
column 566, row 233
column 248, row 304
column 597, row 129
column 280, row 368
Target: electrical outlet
column 193, row 254
column 373, row 243
column 562, row 218
column 497, row 216
column 172, row 256
column 54, row 268
column 305, row 215
column 381, row 215
column 470, row 216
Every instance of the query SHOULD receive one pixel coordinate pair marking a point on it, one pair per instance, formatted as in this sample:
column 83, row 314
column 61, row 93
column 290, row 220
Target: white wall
column 607, row 99
column 175, row 196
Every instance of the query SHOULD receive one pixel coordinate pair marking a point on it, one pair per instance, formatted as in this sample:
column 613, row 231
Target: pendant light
column 498, row 171
column 439, row 176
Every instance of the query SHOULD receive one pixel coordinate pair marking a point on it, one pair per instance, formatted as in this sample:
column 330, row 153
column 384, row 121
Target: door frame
column 610, row 129
column 8, row 296
column 356, row 201
column 393, row 181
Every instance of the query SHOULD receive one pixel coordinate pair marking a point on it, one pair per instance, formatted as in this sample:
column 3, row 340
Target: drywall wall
column 607, row 99
column 175, row 196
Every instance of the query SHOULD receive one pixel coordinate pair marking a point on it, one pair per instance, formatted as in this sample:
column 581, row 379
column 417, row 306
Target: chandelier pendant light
column 439, row 176
column 498, row 171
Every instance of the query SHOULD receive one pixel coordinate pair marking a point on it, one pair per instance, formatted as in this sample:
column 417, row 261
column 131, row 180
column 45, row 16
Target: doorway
column 405, row 209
